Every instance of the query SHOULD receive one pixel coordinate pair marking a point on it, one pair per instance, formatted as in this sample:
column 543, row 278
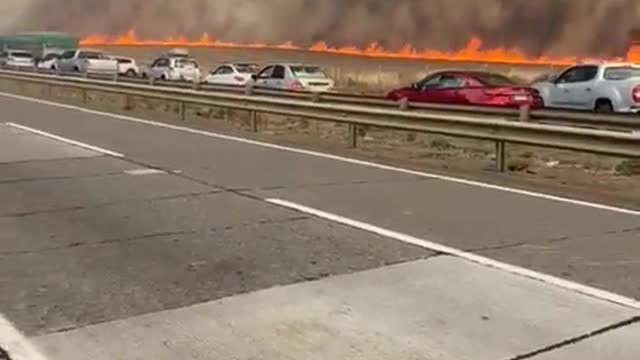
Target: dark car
column 469, row 88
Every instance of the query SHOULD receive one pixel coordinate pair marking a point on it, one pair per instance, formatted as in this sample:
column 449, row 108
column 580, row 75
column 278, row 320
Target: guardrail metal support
column 116, row 75
column 152, row 81
column 84, row 96
column 525, row 113
column 183, row 111
column 248, row 89
column 404, row 104
column 316, row 96
column 126, row 103
column 353, row 136
column 196, row 84
column 253, row 120
column 501, row 157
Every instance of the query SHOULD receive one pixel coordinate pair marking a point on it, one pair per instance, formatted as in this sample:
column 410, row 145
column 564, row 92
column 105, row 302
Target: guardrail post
column 254, row 120
column 248, row 89
column 116, row 75
column 85, row 74
column 501, row 157
column 126, row 103
column 316, row 96
column 196, row 84
column 525, row 113
column 404, row 104
column 152, row 81
column 183, row 111
column 84, row 96
column 353, row 135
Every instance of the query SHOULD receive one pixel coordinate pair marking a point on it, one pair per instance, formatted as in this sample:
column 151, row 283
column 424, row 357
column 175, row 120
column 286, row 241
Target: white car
column 86, row 61
column 127, row 66
column 17, row 59
column 601, row 87
column 294, row 77
column 48, row 61
column 231, row 74
column 170, row 68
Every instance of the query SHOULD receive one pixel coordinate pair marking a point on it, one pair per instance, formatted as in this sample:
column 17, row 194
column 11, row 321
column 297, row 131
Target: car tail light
column 521, row 97
column 296, row 85
column 635, row 94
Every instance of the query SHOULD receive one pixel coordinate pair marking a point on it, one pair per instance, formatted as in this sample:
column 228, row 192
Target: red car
column 469, row 88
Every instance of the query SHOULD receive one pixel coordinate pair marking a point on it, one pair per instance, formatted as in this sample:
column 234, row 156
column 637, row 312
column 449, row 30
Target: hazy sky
column 557, row 27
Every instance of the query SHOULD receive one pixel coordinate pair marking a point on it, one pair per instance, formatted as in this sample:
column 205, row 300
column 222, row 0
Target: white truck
column 600, row 87
column 86, row 61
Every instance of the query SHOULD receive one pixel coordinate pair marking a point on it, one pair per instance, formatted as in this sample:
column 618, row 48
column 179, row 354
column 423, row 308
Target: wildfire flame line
column 473, row 52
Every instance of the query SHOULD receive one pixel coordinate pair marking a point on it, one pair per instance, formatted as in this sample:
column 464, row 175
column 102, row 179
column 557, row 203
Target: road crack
column 74, row 245
column 577, row 339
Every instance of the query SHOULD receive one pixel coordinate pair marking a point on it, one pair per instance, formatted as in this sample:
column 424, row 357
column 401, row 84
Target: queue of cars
column 599, row 87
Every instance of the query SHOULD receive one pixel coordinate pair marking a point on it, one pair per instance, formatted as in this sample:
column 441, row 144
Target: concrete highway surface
column 127, row 239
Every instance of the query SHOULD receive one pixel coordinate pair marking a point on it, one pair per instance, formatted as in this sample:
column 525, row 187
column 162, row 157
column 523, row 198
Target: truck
column 86, row 61
column 603, row 87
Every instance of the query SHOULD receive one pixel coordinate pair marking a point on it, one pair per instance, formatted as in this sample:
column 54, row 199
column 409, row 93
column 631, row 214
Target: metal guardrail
column 495, row 129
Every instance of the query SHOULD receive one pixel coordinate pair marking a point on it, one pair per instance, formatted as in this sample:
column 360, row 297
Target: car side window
column 161, row 63
column 444, row 81
column 265, row 73
column 430, row 82
column 223, row 70
column 278, row 72
column 578, row 74
column 68, row 54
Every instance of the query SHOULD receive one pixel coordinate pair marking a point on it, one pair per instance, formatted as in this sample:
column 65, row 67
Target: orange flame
column 473, row 52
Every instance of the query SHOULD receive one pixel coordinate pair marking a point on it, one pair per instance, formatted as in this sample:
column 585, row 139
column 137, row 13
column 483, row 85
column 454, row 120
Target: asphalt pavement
column 123, row 239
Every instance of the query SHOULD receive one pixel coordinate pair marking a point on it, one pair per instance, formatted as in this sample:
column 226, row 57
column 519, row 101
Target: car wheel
column 130, row 73
column 603, row 106
column 163, row 77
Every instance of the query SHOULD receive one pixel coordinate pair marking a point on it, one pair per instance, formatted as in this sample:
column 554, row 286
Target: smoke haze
column 549, row 27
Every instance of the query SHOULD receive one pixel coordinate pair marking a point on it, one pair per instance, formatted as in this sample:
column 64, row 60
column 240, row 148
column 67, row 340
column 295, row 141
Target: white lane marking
column 142, row 172
column 16, row 344
column 65, row 140
column 340, row 158
column 552, row 280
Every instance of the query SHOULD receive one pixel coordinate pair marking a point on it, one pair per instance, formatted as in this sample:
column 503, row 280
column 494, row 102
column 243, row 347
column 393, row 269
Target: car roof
column 468, row 72
column 293, row 64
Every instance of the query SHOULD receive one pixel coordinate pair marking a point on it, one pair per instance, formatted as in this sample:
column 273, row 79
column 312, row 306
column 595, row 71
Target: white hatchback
column 17, row 59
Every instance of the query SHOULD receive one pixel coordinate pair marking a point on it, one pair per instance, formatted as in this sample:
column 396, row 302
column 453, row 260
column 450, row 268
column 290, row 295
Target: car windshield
column 621, row 72
column 247, row 68
column 494, row 80
column 187, row 63
column 20, row 55
column 308, row 72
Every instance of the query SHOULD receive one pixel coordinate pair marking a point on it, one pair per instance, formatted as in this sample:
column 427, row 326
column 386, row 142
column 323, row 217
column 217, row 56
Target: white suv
column 173, row 69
